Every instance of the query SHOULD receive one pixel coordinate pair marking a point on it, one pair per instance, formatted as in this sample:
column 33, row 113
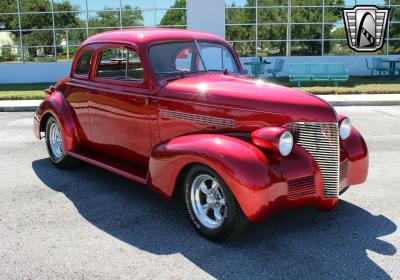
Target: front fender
column 355, row 150
column 243, row 167
column 57, row 106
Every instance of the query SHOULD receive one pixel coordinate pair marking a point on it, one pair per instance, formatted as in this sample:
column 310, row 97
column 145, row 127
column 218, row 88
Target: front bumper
column 299, row 182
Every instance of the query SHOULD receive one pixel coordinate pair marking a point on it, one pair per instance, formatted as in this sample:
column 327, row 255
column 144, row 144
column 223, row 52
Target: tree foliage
column 175, row 17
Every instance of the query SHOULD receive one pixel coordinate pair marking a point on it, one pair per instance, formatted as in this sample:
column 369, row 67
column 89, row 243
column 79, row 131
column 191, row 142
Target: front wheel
column 55, row 146
column 212, row 208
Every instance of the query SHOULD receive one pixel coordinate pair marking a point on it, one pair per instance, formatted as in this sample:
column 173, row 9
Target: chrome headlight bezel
column 285, row 144
column 345, row 128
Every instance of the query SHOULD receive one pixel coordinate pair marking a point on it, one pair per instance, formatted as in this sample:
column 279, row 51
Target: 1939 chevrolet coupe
column 172, row 109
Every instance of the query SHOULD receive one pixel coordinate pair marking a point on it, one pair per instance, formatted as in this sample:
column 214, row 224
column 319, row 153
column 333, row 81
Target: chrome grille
column 321, row 140
column 300, row 187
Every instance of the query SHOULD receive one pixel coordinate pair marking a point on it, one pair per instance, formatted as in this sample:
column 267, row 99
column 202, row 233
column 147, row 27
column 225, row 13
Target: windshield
column 191, row 57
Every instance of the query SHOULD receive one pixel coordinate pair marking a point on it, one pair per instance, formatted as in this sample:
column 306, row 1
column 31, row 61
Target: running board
column 113, row 165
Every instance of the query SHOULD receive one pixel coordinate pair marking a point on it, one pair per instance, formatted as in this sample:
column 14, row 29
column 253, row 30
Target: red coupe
column 172, row 109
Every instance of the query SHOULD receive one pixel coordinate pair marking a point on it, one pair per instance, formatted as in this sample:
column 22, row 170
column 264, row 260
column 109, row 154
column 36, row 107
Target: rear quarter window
column 83, row 63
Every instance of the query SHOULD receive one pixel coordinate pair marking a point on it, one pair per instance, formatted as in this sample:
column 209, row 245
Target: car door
column 118, row 110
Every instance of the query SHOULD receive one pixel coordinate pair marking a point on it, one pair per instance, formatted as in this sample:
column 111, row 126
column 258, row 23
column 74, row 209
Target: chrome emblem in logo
column 365, row 27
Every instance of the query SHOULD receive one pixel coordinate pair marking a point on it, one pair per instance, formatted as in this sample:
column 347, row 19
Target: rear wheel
column 212, row 208
column 55, row 145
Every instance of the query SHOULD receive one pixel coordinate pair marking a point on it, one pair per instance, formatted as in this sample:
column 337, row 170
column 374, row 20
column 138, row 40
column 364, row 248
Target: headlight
column 345, row 129
column 285, row 143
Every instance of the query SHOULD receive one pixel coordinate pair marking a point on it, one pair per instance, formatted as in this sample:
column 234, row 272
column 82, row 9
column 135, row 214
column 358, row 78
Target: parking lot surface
column 87, row 223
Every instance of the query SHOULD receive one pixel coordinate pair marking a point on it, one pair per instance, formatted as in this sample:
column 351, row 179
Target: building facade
column 40, row 37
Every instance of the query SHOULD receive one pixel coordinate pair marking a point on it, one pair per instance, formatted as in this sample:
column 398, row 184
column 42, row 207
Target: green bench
column 318, row 72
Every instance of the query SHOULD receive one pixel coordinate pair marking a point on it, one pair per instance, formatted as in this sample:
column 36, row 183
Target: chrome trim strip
column 203, row 119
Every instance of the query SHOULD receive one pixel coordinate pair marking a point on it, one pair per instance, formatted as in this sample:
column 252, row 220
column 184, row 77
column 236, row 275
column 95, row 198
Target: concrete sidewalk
column 335, row 100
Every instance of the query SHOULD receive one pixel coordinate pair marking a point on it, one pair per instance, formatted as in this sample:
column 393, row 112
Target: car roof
column 145, row 36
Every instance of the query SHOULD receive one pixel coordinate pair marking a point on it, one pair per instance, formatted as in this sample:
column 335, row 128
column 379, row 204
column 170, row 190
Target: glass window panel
column 9, row 39
column 394, row 47
column 272, row 15
column 368, row 2
column 9, row 22
column 336, row 47
column 306, row 31
column 394, row 14
column 306, row 48
column 272, row 3
column 238, row 15
column 66, row 53
column 272, row 32
column 272, row 48
column 307, row 3
column 333, row 14
column 71, row 20
column 84, row 62
column 120, row 64
column 104, row 19
column 240, row 3
column 166, row 4
column 98, row 5
column 245, row 49
column 35, row 6
column 140, row 4
column 9, row 7
column 9, row 54
column 335, row 31
column 240, row 32
column 136, row 17
column 306, row 15
column 70, row 36
column 36, row 21
column 394, row 31
column 171, row 17
column 69, row 5
column 37, row 38
column 39, row 54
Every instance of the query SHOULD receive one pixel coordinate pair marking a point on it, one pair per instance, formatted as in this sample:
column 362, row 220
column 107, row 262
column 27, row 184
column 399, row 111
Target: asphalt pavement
column 86, row 223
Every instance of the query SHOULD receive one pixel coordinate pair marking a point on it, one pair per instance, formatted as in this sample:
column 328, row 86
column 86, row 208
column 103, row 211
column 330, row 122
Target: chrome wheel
column 208, row 201
column 55, row 141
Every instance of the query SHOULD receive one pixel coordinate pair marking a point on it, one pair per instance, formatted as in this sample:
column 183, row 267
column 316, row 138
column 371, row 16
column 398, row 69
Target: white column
column 206, row 15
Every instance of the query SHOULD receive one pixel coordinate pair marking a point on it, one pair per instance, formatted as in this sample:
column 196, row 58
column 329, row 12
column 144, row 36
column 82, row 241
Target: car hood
column 249, row 94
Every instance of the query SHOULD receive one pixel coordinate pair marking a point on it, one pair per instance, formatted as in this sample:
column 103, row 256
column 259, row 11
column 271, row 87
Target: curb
column 32, row 108
column 18, row 109
column 365, row 103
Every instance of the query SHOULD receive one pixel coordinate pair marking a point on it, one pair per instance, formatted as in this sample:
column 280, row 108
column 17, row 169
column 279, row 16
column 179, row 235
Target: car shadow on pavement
column 299, row 244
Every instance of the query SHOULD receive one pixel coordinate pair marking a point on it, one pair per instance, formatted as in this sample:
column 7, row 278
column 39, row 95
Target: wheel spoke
column 217, row 214
column 206, row 207
column 214, row 186
column 203, row 188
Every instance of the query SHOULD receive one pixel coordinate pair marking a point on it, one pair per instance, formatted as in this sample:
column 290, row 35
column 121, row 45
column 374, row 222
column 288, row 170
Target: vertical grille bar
column 321, row 140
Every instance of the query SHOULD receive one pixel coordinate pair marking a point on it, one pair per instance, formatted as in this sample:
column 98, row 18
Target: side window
column 83, row 64
column 120, row 64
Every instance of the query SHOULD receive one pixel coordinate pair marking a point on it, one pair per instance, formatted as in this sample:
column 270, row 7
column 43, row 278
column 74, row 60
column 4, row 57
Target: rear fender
column 243, row 167
column 55, row 105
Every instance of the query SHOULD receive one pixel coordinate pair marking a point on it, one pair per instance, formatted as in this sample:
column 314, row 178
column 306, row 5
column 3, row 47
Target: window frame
column 99, row 53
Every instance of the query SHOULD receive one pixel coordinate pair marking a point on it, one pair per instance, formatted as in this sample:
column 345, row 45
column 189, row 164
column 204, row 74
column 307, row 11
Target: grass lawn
column 355, row 85
column 23, row 91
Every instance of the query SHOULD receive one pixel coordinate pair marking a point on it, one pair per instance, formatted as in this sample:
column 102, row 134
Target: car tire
column 55, row 146
column 211, row 206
